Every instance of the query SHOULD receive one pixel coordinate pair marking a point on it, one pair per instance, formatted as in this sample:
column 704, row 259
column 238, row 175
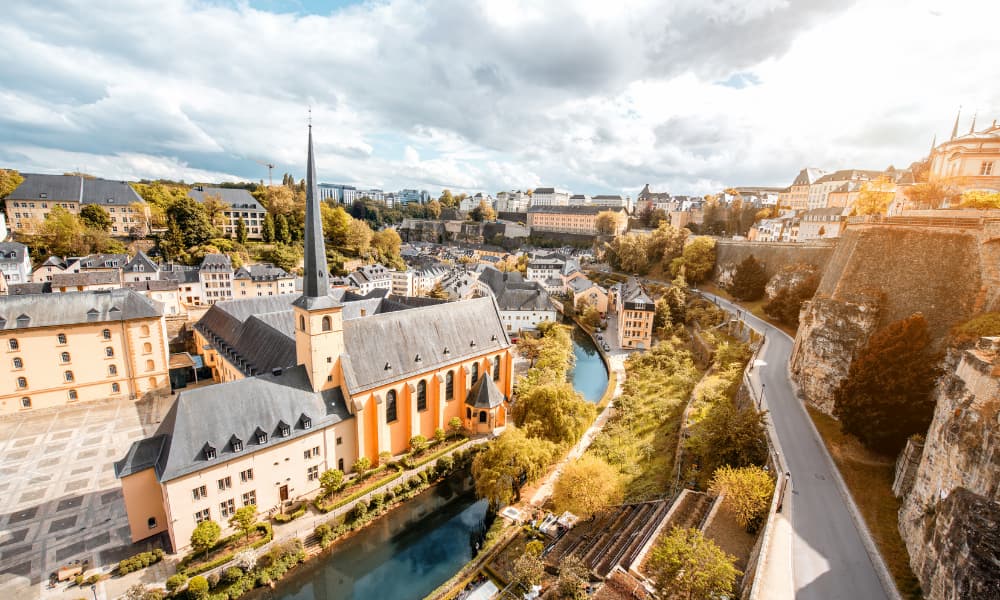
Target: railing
column 942, row 221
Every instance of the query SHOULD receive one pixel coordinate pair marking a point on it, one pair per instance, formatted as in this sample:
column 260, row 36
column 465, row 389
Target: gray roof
column 484, row 394
column 850, row 175
column 140, row 260
column 577, row 209
column 234, row 197
column 12, row 252
column 102, row 261
column 544, row 190
column 261, row 272
column 632, row 293
column 216, row 262
column 513, row 293
column 153, row 285
column 108, row 193
column 22, row 289
column 73, row 308
column 86, row 278
column 55, row 188
column 53, row 261
column 581, row 284
column 215, row 415
column 807, row 176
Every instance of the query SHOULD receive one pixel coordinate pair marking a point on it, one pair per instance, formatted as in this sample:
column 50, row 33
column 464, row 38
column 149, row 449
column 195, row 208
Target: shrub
column 445, row 464
column 139, row 561
column 175, row 582
column 440, row 435
column 748, row 493
column 232, row 574
column 78, row 580
column 359, row 511
column 455, row 426
column 205, row 535
column 384, row 457
column 362, row 465
column 213, row 580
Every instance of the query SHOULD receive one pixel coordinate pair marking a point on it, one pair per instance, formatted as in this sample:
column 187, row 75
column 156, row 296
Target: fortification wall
column 774, row 256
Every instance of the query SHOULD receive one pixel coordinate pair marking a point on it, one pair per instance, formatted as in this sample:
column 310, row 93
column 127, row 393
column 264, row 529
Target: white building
column 369, row 278
column 239, row 205
column 15, row 264
column 3, row 226
column 216, row 278
column 611, row 201
column 513, row 202
column 404, row 282
column 549, row 197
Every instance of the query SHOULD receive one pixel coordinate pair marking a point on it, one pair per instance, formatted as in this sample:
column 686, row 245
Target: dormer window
column 209, row 452
column 284, row 429
column 237, row 444
column 418, row 359
column 387, row 366
column 446, row 351
column 261, row 436
column 472, row 344
column 306, row 422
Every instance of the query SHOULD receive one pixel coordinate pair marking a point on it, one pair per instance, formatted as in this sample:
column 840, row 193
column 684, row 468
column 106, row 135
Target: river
column 406, row 554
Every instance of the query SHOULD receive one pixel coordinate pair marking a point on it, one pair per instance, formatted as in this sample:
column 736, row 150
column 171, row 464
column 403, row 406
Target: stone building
column 312, row 383
column 635, row 315
column 36, row 196
column 571, row 219
column 970, row 161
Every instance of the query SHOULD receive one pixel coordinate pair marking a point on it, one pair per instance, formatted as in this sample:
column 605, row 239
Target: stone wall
column 774, row 256
column 950, row 519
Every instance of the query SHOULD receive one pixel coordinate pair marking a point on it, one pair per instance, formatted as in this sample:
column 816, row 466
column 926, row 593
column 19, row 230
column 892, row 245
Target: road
column 828, row 557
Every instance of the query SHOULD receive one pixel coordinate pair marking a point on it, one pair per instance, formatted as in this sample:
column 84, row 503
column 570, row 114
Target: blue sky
column 689, row 96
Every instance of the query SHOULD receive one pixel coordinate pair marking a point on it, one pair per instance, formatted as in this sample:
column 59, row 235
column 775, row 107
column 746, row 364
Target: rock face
column 950, row 519
column 789, row 277
column 830, row 333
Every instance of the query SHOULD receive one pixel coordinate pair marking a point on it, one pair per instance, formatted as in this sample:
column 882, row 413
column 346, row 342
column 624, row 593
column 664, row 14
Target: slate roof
column 53, row 261
column 581, row 284
column 74, row 307
column 12, row 252
column 140, row 260
column 849, row 175
column 512, row 292
column 216, row 414
column 234, row 197
column 808, row 176
column 86, row 278
column 108, row 193
column 103, row 261
column 216, row 262
column 569, row 210
column 484, row 394
column 632, row 293
column 23, row 289
column 261, row 272
column 56, row 187
column 153, row 285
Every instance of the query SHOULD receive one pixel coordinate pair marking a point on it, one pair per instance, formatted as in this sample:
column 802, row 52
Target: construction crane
column 270, row 167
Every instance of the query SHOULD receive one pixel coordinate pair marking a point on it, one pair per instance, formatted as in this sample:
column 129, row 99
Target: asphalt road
column 829, row 559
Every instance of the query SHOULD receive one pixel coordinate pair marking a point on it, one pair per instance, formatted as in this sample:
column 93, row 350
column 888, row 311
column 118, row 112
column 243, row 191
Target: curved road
column 829, row 559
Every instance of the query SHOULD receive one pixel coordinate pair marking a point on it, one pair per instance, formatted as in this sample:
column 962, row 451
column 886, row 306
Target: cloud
column 474, row 95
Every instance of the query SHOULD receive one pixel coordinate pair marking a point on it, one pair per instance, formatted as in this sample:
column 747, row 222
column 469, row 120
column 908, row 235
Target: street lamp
column 760, row 401
column 93, row 588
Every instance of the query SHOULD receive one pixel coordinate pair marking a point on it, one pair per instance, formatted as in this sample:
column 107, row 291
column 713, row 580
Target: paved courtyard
column 59, row 499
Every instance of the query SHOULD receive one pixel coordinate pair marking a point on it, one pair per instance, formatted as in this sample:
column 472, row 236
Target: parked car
column 600, row 338
column 607, row 348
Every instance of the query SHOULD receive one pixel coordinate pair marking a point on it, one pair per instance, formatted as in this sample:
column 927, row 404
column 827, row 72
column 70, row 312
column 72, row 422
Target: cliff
column 950, row 518
column 877, row 275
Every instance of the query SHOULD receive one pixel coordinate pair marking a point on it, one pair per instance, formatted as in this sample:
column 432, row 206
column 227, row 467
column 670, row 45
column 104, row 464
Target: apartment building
column 240, row 204
column 546, row 196
column 635, row 315
column 571, row 219
column 216, row 278
column 15, row 263
column 36, row 196
column 262, row 279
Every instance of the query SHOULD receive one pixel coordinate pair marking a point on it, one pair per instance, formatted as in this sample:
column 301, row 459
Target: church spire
column 954, row 130
column 972, row 129
column 316, row 278
column 933, row 145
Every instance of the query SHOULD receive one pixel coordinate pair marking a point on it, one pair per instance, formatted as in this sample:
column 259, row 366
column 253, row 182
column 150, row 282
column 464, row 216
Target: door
column 283, row 493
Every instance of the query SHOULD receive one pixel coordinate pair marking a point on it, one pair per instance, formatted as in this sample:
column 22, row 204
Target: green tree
column 696, row 261
column 362, row 465
column 887, row 394
column 685, row 564
column 197, row 588
column 188, row 225
column 498, row 470
column 665, row 244
column 587, row 485
column 267, row 229
column 175, row 581
column 285, row 256
column 455, row 426
column 61, row 234
column 749, row 280
column 205, row 535
column 95, row 217
column 331, row 480
column 787, row 302
column 418, row 444
column 244, row 519
column 282, row 235
column 553, row 411
column 728, row 436
column 572, row 580
column 241, row 231
column 748, row 493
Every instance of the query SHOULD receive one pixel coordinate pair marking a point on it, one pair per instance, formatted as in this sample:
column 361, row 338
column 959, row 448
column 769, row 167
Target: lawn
column 869, row 478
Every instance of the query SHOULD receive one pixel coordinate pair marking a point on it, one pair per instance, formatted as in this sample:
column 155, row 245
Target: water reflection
column 589, row 375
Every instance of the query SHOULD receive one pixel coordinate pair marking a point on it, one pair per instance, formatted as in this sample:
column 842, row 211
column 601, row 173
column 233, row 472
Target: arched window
column 152, row 383
column 26, row 402
column 109, row 351
column 144, row 330
column 12, row 343
column 68, row 375
column 150, row 365
column 18, row 363
column 107, row 334
column 61, row 338
column 496, row 368
column 147, row 348
column 302, row 323
column 449, row 385
column 115, row 388
column 64, row 357
column 421, row 395
column 475, row 372
column 390, row 406
column 112, row 370
column 327, row 324
column 22, row 382
column 482, row 416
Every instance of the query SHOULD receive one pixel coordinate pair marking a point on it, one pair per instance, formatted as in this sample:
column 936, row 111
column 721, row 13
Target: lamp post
column 93, row 588
column 760, row 401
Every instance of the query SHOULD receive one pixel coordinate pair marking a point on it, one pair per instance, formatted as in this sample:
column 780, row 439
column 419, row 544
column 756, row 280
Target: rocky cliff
column 877, row 275
column 950, row 519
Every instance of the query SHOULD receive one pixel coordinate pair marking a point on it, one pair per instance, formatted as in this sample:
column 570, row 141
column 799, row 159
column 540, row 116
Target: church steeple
column 972, row 129
column 316, row 278
column 954, row 130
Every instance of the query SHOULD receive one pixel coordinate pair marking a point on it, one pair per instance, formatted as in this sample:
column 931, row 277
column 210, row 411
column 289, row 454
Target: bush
column 205, row 535
column 213, row 580
column 358, row 512
column 139, row 561
column 440, row 435
column 418, row 444
column 232, row 574
column 175, row 582
column 787, row 303
column 331, row 481
column 455, row 426
column 445, row 464
column 362, row 465
column 748, row 494
column 295, row 514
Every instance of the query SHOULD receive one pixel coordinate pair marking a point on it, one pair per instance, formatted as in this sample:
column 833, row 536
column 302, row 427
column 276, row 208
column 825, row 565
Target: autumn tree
column 609, row 222
column 438, row 292
column 933, row 194
column 748, row 492
column 749, row 280
column 447, row 200
column 433, row 209
column 359, row 238
column 215, row 208
column 61, row 233
column 628, row 253
column 553, row 411
column 685, row 564
column 527, row 570
column 875, row 197
column 509, row 459
column 696, row 261
column 386, row 244
column 285, row 256
column 483, row 212
column 95, row 217
column 572, row 580
column 665, row 244
column 728, row 436
column 9, row 180
column 981, row 200
column 887, row 394
column 587, row 485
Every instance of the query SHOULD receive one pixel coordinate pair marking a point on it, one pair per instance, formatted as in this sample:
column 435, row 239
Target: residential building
column 471, row 202
column 635, row 315
column 66, row 348
column 546, row 196
column 319, row 380
column 647, row 199
column 404, row 282
column 611, row 201
column 821, row 223
column 86, row 281
column 580, row 220
column 545, row 266
column 970, row 161
column 165, row 295
column 426, row 278
column 3, row 227
column 369, row 277
column 798, row 195
column 262, row 279
column 140, row 268
column 513, row 201
column 523, row 304
column 821, row 188
column 47, row 269
column 216, row 277
column 581, row 288
column 579, row 199
column 15, row 263
column 239, row 205
column 36, row 196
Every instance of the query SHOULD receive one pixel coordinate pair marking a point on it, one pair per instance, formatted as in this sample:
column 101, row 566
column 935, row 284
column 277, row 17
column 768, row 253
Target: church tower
column 319, row 323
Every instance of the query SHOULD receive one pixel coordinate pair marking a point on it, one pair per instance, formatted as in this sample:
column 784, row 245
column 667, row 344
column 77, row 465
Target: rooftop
column 25, row 312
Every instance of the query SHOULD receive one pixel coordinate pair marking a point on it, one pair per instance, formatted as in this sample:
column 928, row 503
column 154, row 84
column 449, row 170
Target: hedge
column 283, row 518
column 325, row 508
column 139, row 561
column 440, row 453
column 182, row 567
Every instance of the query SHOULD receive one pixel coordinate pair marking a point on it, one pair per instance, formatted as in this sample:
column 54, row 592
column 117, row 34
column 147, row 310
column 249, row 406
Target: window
column 468, row 413
column 340, row 440
column 986, row 168
column 496, row 368
column 327, row 324
column 227, row 508
column 109, row 352
column 112, row 370
column 150, row 365
column 238, row 446
column 302, row 323
column 250, row 498
column 25, row 402
column 73, row 395
column 261, row 438
column 12, row 343
column 146, row 348
column 475, row 372
column 311, row 452
column 199, row 492
column 390, row 406
column 151, row 522
column 18, row 363
column 107, row 334
column 209, row 452
column 115, row 388
column 68, row 376
column 307, row 423
column 340, row 464
column 202, row 515
column 246, row 475
column 144, row 330
column 312, row 473
column 449, row 385
column 64, row 357
column 285, row 431
column 421, row 395
column 61, row 338
column 482, row 416
column 225, row 483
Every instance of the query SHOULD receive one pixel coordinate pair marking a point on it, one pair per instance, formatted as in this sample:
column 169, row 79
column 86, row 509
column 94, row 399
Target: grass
column 869, row 479
column 756, row 307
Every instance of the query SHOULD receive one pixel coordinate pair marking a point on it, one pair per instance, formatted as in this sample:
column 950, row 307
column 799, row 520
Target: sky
column 592, row 96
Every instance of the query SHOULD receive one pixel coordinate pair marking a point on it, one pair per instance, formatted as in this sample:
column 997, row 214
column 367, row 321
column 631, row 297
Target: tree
column 748, row 493
column 749, row 280
column 509, row 460
column 188, row 225
column 359, row 238
column 418, row 444
column 241, row 231
column 216, row 209
column 665, row 243
column 362, row 464
column 61, row 233
column 886, row 396
column 483, row 212
column 787, row 302
column 980, row 199
column 244, row 519
column 285, row 256
column 205, row 535
column 933, row 194
column 447, row 200
column 197, row 588
column 609, row 222
column 386, row 244
column 875, row 197
column 573, row 578
column 684, row 564
column 628, row 253
column 455, row 426
column 95, row 217
column 267, row 229
column 728, row 436
column 331, row 480
column 138, row 591
column 438, row 292
column 696, row 261
column 434, row 209
column 553, row 411
column 9, row 180
column 527, row 570
column 282, row 235
column 587, row 485
column 336, row 223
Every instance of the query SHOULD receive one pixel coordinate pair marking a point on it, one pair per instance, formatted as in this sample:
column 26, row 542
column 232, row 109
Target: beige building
column 582, row 288
column 313, row 382
column 970, row 161
column 571, row 219
column 797, row 197
column 86, row 281
column 29, row 203
column 263, row 279
column 74, row 347
column 635, row 315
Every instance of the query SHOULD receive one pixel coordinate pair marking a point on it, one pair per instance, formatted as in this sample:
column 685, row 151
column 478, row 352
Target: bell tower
column 319, row 322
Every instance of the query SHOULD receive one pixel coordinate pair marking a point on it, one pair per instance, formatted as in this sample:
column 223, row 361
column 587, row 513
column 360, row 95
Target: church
column 311, row 382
